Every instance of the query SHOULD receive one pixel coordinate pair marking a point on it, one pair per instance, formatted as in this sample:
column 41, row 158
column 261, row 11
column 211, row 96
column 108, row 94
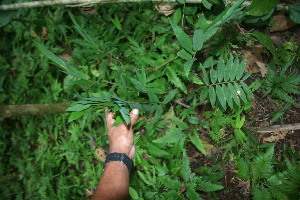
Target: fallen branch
column 43, row 3
column 270, row 129
column 34, row 4
column 32, row 109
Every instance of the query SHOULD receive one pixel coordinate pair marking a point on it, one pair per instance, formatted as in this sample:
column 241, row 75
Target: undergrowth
column 126, row 56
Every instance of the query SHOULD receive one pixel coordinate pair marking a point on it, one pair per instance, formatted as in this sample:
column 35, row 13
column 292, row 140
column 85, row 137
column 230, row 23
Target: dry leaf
column 88, row 193
column 281, row 23
column 100, row 153
column 255, row 61
column 92, row 143
column 89, row 10
column 65, row 56
column 44, row 32
column 277, row 135
column 165, row 8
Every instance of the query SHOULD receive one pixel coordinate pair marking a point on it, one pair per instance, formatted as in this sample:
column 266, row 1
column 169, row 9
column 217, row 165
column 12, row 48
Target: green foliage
column 128, row 56
column 280, row 85
column 224, row 84
column 294, row 11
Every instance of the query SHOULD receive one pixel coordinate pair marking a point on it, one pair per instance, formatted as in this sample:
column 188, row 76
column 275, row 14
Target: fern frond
column 225, row 83
column 173, row 135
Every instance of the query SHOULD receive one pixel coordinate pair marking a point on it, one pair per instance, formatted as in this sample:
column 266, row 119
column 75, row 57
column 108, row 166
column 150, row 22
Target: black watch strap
column 121, row 157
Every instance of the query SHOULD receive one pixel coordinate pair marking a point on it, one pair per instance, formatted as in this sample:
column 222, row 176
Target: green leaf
column 194, row 120
column 182, row 37
column 118, row 120
column 233, row 94
column 133, row 193
column 247, row 90
column 155, row 151
column 184, row 55
column 78, row 107
column 240, row 92
column 138, row 85
column 294, row 11
column 187, row 66
column 173, row 135
column 203, row 94
column 241, row 69
column 198, row 40
column 68, row 69
column 228, row 96
column 117, row 23
column 239, row 122
column 179, row 123
column 267, row 42
column 125, row 114
column 240, row 135
column 185, row 170
column 247, row 75
column 220, row 70
column 77, row 115
column 170, row 96
column 261, row 7
column 212, row 95
column 234, row 69
column 221, row 96
column 191, row 193
column 229, row 68
column 195, row 79
column 176, row 17
column 173, row 78
column 213, row 76
column 197, row 142
column 205, row 77
column 243, row 169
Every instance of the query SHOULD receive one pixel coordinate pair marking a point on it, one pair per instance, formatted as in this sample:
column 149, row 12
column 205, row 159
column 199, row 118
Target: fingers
column 109, row 118
column 133, row 117
column 131, row 152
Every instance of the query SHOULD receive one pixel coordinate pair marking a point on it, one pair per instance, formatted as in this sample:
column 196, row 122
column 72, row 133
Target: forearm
column 114, row 182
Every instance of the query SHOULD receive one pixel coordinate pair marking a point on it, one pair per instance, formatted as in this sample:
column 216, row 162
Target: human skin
column 114, row 182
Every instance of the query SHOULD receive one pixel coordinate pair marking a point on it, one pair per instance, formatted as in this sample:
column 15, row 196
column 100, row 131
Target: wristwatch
column 121, row 157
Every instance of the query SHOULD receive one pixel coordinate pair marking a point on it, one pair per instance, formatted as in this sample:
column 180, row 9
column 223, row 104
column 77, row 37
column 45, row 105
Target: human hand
column 120, row 137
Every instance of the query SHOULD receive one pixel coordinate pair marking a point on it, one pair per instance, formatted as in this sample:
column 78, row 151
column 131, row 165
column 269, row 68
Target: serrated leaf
column 209, row 187
column 203, row 94
column 228, row 69
column 233, row 94
column 197, row 142
column 191, row 193
column 205, row 77
column 241, row 69
column 173, row 78
column 247, row 75
column 247, row 90
column 138, row 85
column 170, row 96
column 182, row 37
column 198, row 40
column 240, row 92
column 234, row 69
column 220, row 71
column 125, row 114
column 187, row 66
column 212, row 95
column 179, row 123
column 155, row 151
column 184, row 55
column 239, row 122
column 133, row 193
column 195, row 79
column 228, row 96
column 213, row 76
column 185, row 171
column 173, row 135
column 221, row 96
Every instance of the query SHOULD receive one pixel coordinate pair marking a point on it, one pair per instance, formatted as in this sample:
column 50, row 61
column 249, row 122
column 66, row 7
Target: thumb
column 133, row 117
